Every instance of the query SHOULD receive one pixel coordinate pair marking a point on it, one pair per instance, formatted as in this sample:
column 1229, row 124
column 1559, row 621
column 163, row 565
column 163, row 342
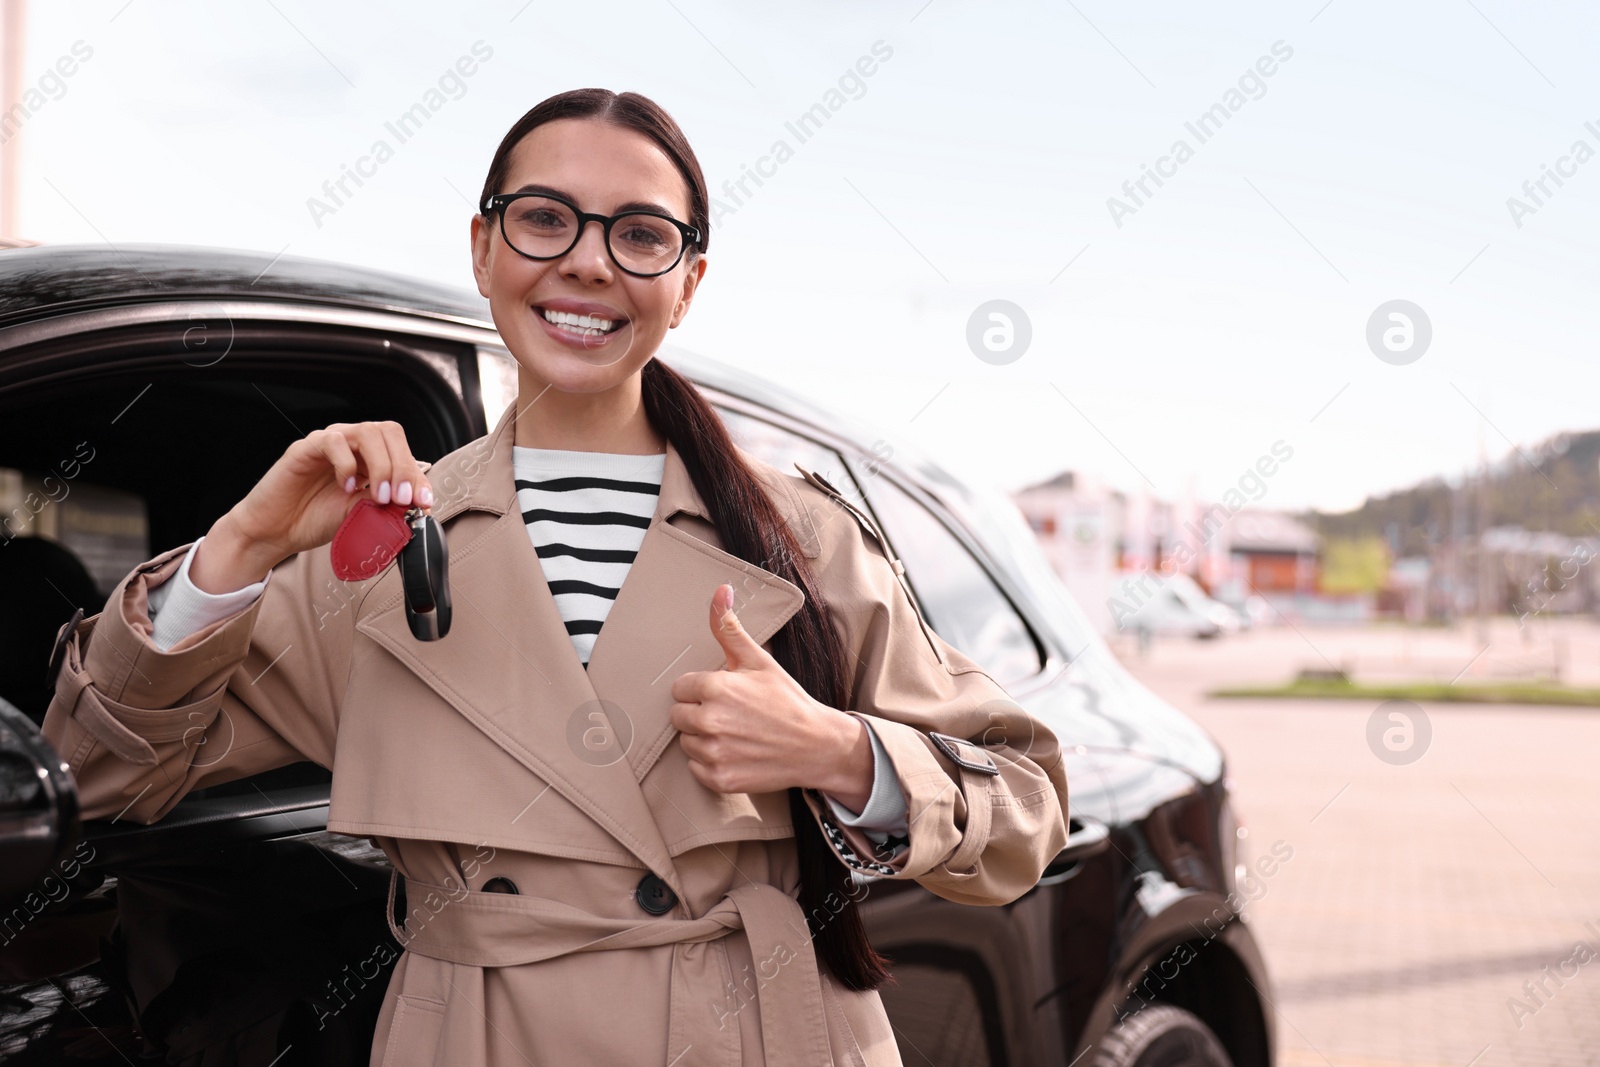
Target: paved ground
column 1422, row 896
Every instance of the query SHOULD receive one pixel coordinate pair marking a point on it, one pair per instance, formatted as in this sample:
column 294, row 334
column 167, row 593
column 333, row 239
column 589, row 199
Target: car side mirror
column 39, row 820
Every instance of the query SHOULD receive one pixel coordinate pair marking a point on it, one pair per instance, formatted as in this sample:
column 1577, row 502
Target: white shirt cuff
column 886, row 807
column 179, row 608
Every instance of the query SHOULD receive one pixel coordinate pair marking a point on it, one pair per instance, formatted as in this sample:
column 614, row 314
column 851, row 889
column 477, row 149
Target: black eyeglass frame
column 498, row 202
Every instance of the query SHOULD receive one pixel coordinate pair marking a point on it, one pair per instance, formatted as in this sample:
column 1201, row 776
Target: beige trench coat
column 492, row 753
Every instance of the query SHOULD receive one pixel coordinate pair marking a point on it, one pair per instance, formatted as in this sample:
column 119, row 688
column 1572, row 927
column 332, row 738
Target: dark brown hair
column 749, row 524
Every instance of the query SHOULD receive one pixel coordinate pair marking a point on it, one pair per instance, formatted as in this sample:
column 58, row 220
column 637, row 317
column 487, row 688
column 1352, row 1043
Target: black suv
column 222, row 933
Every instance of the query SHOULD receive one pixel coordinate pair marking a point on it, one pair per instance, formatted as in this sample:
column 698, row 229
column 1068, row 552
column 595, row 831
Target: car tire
column 1162, row 1036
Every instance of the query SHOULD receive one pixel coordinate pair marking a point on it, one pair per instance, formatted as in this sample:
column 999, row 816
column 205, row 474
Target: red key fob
column 369, row 539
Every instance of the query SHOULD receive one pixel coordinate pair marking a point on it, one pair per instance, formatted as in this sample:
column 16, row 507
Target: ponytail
column 808, row 647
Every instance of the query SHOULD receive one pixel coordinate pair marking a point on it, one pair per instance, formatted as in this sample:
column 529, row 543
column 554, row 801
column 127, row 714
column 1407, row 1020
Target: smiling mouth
column 581, row 325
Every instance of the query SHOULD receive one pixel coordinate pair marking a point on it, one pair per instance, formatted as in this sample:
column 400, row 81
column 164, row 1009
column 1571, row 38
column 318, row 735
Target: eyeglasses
column 646, row 244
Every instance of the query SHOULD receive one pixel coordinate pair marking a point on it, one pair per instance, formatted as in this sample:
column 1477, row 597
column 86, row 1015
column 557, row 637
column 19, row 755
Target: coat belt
column 504, row 930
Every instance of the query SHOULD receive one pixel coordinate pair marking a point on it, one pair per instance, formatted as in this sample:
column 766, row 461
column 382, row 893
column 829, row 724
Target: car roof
column 51, row 279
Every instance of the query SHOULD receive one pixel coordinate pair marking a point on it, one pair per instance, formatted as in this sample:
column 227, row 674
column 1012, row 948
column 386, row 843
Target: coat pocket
column 414, row 1032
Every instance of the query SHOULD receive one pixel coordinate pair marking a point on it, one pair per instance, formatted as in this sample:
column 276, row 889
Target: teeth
column 587, row 323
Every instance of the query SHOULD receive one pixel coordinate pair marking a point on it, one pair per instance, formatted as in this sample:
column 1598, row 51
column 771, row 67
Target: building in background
column 1272, row 553
column 1095, row 535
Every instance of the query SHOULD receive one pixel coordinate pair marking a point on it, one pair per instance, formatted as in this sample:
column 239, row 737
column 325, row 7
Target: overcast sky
column 1175, row 337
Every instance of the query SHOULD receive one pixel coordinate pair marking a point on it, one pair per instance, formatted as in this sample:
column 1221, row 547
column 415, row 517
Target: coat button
column 654, row 895
column 500, row 885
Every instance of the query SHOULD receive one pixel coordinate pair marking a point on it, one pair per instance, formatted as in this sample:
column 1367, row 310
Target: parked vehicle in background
column 1148, row 602
column 1232, row 620
column 1254, row 609
column 237, row 929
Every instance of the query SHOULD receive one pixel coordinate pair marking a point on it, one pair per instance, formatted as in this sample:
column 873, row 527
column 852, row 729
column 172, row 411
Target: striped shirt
column 586, row 513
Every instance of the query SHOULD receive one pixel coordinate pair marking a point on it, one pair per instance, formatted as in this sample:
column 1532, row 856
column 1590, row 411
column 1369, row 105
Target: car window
column 783, row 449
column 959, row 599
column 1001, row 527
column 105, row 530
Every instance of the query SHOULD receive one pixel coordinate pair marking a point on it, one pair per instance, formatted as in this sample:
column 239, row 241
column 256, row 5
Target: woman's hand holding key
column 300, row 502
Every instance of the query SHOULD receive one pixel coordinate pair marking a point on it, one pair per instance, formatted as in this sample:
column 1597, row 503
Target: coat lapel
column 660, row 626
column 509, row 667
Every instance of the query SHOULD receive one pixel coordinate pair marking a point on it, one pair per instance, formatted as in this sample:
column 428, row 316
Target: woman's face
column 600, row 168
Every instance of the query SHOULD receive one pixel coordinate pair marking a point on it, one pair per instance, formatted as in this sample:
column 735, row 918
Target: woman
column 629, row 843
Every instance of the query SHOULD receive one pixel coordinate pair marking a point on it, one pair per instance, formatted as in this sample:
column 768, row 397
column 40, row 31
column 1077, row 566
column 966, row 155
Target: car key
column 373, row 535
column 425, row 577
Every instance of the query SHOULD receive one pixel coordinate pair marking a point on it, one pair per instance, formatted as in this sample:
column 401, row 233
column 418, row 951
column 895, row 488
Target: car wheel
column 1162, row 1036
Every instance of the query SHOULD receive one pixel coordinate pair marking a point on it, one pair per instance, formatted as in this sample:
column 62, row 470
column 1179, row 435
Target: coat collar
column 508, row 665
column 479, row 476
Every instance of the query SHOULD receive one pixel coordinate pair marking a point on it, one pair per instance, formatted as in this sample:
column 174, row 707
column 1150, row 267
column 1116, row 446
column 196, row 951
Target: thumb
column 740, row 648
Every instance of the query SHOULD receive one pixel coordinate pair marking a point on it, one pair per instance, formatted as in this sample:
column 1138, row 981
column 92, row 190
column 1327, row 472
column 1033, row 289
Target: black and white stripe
column 586, row 513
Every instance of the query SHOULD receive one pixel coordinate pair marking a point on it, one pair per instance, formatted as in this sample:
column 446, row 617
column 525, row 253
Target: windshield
column 999, row 523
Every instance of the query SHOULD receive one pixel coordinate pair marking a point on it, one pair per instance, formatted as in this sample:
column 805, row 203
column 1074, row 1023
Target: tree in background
column 1354, row 565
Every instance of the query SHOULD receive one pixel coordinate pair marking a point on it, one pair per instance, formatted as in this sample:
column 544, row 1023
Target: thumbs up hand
column 741, row 649
column 751, row 728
